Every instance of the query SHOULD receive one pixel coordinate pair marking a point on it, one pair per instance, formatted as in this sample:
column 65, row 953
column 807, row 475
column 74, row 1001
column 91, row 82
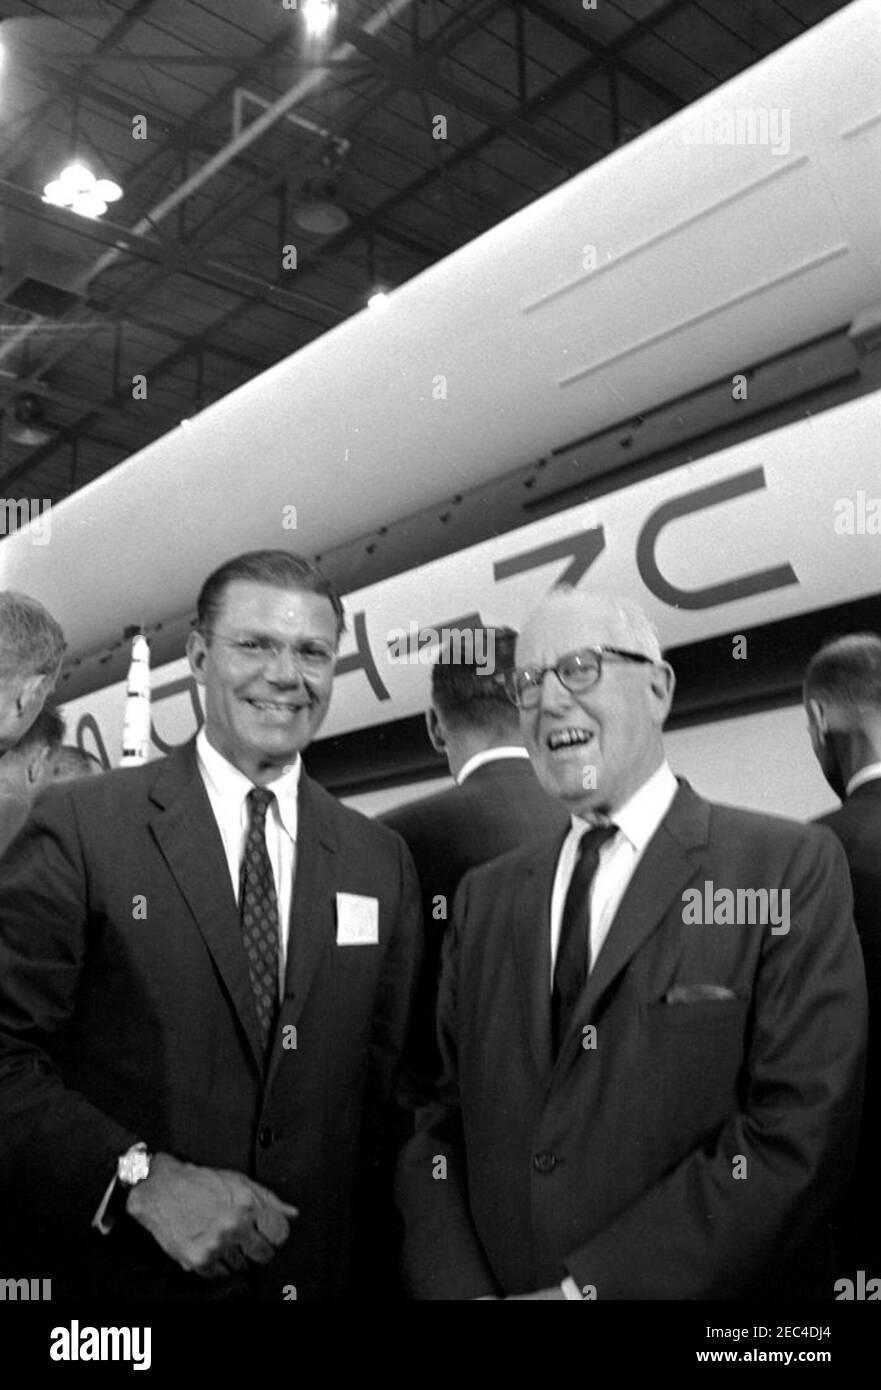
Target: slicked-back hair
column 281, row 569
column 31, row 641
column 846, row 673
column 465, row 697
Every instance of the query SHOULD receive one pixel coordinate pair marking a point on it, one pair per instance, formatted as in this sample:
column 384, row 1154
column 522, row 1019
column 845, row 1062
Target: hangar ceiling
column 235, row 140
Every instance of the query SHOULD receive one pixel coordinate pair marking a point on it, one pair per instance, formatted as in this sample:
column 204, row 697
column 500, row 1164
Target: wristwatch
column 133, row 1167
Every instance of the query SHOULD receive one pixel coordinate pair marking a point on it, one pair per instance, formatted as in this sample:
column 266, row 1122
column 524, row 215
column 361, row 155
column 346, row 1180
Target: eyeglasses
column 576, row 672
column 259, row 651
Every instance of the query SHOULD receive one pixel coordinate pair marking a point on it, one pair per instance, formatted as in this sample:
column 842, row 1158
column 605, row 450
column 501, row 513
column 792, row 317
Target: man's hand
column 210, row 1220
column 554, row 1292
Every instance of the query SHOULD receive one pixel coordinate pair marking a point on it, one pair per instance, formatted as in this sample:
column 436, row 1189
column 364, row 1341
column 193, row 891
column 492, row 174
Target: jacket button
column 265, row 1136
column 544, row 1162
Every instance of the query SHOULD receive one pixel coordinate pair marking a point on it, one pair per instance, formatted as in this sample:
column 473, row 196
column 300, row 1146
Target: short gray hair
column 638, row 633
column 31, row 642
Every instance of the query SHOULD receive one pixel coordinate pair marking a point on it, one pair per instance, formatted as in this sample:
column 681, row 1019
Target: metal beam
column 612, row 55
column 168, row 60
column 174, row 257
column 117, row 399
column 451, row 33
column 417, row 73
column 71, row 86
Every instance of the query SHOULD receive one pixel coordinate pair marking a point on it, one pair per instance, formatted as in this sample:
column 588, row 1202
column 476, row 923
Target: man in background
column 31, row 648
column 68, row 762
column 496, row 805
column 842, row 695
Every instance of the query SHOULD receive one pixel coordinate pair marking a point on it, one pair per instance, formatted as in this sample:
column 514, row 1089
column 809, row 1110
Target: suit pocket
column 690, row 1059
column 695, row 1013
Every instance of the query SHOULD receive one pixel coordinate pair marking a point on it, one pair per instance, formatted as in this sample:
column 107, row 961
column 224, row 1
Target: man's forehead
column 557, row 627
column 249, row 600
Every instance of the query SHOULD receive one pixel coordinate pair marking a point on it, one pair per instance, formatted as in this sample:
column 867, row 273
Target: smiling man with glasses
column 634, row 1105
column 206, row 973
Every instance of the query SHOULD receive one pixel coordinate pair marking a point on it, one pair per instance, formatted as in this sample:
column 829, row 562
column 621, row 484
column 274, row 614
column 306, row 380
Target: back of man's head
column 67, row 763
column 842, row 696
column 470, row 709
column 845, row 674
column 31, row 647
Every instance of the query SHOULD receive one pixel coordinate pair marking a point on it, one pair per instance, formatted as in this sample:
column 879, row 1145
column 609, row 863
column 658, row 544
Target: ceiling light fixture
column 378, row 300
column 77, row 188
column 27, row 423
column 318, row 16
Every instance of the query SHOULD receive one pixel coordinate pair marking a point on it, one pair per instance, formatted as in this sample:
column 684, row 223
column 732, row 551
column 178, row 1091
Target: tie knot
column 259, row 801
column 594, row 838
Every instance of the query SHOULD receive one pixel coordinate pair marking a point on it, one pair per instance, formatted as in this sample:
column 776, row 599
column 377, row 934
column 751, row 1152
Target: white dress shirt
column 489, row 755
column 869, row 773
column 637, row 821
column 227, row 790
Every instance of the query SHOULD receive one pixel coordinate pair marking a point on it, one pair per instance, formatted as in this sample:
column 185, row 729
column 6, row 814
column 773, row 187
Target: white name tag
column 357, row 920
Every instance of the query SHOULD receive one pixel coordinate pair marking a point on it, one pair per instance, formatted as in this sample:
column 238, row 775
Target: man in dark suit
column 206, row 968
column 496, row 805
column 842, row 693
column 653, row 1028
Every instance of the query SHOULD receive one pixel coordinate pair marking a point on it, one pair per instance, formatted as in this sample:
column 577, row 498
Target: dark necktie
column 258, row 913
column 573, row 949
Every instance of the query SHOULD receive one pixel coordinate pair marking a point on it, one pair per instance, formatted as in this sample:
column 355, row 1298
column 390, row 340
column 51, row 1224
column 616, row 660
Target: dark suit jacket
column 622, row 1165
column 858, row 826
column 126, row 1014
column 500, row 806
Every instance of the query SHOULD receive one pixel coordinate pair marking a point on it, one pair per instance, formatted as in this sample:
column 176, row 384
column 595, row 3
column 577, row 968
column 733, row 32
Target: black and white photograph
column 440, row 675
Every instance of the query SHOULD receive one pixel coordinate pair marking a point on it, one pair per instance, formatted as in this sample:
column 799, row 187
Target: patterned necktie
column 573, row 949
column 258, row 913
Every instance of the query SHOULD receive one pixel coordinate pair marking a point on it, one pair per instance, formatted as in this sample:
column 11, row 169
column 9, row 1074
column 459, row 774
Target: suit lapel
column 189, row 840
column 532, row 952
column 663, row 871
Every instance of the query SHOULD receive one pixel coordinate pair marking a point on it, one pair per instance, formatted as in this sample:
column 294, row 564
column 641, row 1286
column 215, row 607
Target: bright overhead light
column 56, row 192
column 89, row 205
column 77, row 188
column 108, row 190
column 378, row 300
column 77, row 177
column 318, row 16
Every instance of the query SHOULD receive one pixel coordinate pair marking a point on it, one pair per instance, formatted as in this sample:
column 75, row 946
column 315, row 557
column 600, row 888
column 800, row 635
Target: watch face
column 133, row 1168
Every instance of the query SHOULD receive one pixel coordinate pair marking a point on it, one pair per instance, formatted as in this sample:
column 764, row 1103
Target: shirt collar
column 642, row 813
column 489, row 755
column 865, row 774
column 232, row 786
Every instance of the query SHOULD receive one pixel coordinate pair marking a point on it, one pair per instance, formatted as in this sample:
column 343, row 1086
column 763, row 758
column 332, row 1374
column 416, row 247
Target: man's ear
column 32, row 693
column 818, row 720
column 31, row 697
column 435, row 730
column 662, row 684
column 197, row 651
column 35, row 767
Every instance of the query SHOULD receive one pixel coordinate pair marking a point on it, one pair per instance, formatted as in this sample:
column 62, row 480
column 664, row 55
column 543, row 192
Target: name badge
column 357, row 920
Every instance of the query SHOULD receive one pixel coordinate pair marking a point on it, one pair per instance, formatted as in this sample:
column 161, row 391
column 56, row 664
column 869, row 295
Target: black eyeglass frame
column 538, row 673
